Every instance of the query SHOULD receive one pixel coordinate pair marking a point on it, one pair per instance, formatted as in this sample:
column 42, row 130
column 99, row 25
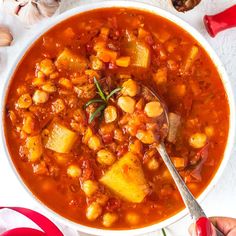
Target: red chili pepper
column 203, row 227
column 221, row 21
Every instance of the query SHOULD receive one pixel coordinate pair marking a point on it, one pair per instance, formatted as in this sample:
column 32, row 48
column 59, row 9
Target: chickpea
column 47, row 66
column 109, row 219
column 49, row 87
column 132, row 218
column 105, row 157
column 24, row 101
column 153, row 164
column 40, row 75
column 197, row 140
column 130, row 88
column 40, row 96
column 65, row 83
column 38, row 81
column 102, row 199
column 146, row 136
column 73, row 171
column 127, row 104
column 28, row 124
column 209, row 131
column 118, row 135
column 89, row 187
column 93, row 211
column 94, row 143
column 153, row 109
column 54, row 75
column 136, row 147
column 110, row 114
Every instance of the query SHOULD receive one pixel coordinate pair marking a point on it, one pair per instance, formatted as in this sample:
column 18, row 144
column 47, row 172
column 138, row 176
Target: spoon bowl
column 202, row 223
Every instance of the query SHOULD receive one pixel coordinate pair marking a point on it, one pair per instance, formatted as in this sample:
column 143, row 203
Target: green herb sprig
column 163, row 232
column 103, row 100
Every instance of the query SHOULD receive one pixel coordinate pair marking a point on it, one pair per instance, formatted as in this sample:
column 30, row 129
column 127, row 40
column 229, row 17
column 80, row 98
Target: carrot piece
column 123, row 61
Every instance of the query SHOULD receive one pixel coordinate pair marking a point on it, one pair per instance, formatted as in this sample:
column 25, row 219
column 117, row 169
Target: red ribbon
column 48, row 228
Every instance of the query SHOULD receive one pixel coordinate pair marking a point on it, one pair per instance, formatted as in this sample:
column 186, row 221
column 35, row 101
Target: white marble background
column 222, row 199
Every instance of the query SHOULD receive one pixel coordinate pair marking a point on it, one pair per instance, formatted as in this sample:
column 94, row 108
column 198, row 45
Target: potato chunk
column 191, row 58
column 140, row 54
column 67, row 60
column 34, row 147
column 60, row 139
column 126, row 179
column 174, row 124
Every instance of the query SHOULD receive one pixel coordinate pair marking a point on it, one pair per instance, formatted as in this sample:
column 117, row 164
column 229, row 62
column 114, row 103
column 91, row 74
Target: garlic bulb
column 31, row 11
column 5, row 36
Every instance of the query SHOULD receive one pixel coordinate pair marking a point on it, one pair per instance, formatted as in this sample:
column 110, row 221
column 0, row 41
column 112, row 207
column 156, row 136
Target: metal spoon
column 202, row 223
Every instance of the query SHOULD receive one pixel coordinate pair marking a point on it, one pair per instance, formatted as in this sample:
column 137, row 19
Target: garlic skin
column 31, row 11
column 5, row 36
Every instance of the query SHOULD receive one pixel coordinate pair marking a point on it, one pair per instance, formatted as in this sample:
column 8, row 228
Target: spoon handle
column 203, row 225
column 194, row 208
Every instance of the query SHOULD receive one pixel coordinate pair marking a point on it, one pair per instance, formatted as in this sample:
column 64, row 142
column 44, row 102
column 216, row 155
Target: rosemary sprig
column 103, row 100
column 163, row 232
column 112, row 93
column 99, row 109
column 100, row 92
column 93, row 101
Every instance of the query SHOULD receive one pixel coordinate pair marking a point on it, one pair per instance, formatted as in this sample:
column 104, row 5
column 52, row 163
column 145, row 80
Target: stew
column 81, row 129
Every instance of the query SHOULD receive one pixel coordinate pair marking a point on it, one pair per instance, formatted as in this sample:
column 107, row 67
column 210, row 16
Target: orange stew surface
column 82, row 130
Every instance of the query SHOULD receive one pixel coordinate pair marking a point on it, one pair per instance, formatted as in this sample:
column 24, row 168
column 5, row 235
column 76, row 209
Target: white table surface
column 222, row 199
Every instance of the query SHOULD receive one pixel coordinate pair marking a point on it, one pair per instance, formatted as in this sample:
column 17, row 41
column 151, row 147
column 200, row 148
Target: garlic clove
column 30, row 14
column 48, row 7
column 31, row 11
column 5, row 36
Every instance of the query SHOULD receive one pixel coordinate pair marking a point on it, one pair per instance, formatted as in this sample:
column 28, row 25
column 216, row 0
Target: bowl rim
column 191, row 31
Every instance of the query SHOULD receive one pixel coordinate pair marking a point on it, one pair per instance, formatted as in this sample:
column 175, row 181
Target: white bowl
column 214, row 58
